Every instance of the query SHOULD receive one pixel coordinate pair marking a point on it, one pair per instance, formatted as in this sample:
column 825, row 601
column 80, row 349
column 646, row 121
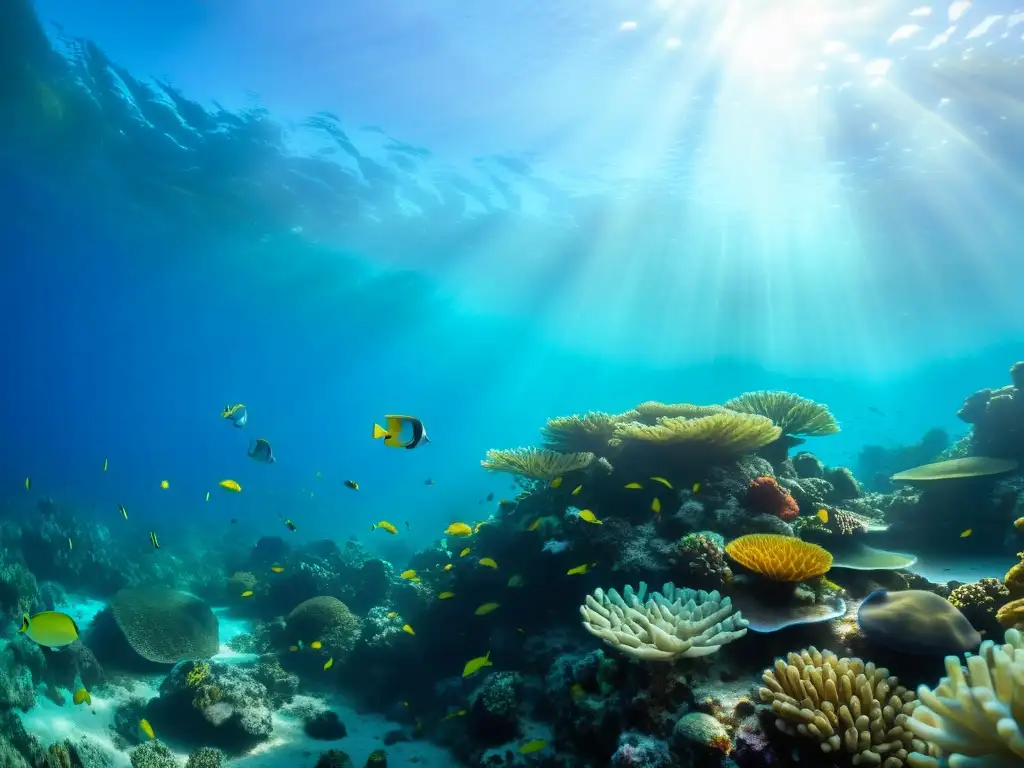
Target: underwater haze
column 482, row 216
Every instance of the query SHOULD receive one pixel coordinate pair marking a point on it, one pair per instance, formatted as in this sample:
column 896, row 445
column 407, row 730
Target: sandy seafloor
column 289, row 747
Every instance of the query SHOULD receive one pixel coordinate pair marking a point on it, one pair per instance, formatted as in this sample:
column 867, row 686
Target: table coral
column 794, row 415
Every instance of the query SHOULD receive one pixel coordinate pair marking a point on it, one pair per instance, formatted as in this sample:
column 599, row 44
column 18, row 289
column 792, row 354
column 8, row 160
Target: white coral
column 975, row 719
column 673, row 624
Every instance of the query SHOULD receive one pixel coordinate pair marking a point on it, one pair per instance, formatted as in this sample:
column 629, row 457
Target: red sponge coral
column 766, row 495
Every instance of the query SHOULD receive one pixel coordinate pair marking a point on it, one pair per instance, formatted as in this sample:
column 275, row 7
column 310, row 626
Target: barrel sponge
column 166, row 625
column 672, row 624
column 326, row 619
column 974, row 719
column 844, row 704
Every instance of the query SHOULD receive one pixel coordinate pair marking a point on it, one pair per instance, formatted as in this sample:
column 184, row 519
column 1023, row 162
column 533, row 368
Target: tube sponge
column 673, row 624
column 975, row 720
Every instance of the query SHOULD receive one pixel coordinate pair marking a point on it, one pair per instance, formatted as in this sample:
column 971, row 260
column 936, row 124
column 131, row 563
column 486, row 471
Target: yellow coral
column 535, row 463
column 779, row 558
column 587, row 433
column 793, row 414
column 653, row 410
column 1011, row 614
column 1014, row 578
column 725, row 433
column 197, row 674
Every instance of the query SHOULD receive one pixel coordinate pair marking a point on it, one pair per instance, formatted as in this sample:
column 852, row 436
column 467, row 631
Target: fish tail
column 379, row 432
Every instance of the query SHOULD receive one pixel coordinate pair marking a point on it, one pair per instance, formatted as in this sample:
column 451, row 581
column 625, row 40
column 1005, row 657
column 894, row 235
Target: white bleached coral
column 975, row 720
column 673, row 624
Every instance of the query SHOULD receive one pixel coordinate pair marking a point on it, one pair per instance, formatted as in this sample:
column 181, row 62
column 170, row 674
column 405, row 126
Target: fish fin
column 379, row 432
column 24, row 623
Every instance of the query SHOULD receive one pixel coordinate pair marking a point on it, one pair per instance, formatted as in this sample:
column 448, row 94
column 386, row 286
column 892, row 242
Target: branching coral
column 779, row 558
column 794, row 415
column 722, row 434
column 587, row 433
column 846, row 705
column 535, row 463
column 974, row 719
column 767, row 496
column 672, row 624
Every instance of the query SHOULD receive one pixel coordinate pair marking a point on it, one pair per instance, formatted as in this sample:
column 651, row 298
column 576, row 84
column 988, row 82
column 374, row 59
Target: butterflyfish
column 458, row 529
column 164, row 484
column 230, row 485
column 633, row 486
column 475, row 665
column 446, row 596
column 352, row 484
column 663, row 481
column 401, row 432
column 154, row 540
column 408, row 630
column 384, row 525
column 316, row 645
column 556, row 483
column 247, row 593
column 487, row 562
column 534, row 525
column 656, row 506
column 589, row 517
column 486, row 608
column 236, row 414
column 822, row 515
column 533, row 745
column 51, row 629
column 147, row 728
column 81, row 696
column 465, row 552
column 106, row 463
column 410, row 575
column 260, row 450
column 329, row 664
column 123, row 511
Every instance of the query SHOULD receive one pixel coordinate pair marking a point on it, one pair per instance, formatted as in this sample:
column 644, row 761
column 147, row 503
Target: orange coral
column 767, row 496
column 779, row 558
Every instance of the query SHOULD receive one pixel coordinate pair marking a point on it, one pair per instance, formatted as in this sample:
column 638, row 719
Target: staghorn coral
column 166, row 625
column 792, row 414
column 535, row 463
column 767, row 497
column 724, row 434
column 974, row 719
column 779, row 558
column 844, row 704
column 588, row 433
column 672, row 624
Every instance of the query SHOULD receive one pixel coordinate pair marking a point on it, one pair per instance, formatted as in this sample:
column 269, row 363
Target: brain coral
column 165, row 625
column 326, row 619
column 779, row 558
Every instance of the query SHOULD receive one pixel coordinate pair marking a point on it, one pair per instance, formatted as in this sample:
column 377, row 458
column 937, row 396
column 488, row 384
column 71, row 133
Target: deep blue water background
column 123, row 340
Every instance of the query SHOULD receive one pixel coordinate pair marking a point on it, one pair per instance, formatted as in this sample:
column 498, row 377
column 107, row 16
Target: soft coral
column 766, row 495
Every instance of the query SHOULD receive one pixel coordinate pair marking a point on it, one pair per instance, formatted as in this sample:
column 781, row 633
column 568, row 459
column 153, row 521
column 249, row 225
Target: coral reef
column 997, row 417
column 768, row 497
column 792, row 414
column 327, row 620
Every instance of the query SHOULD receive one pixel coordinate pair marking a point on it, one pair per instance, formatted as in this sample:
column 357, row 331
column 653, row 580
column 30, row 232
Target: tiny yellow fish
column 966, row 533
column 534, row 525
column 487, row 562
column 207, row 495
column 696, row 487
column 533, row 745
column 557, row 482
column 450, row 715
column 465, row 552
column 486, row 608
column 579, row 570
column 277, row 568
column 82, row 696
column 410, row 575
column 446, row 596
column 147, row 728
column 316, row 645
column 247, row 593
column 448, row 567
column 1019, row 523
column 634, row 486
column 576, row 490
column 154, row 540
column 106, row 463
column 69, row 543
column 28, row 483
column 475, row 665
column 822, row 515
column 164, row 484
column 293, row 647
column 408, row 630
column 230, row 485
column 124, row 512
column 458, row 529
column 329, row 663
column 663, row 481
column 587, row 516
column 392, row 614
column 384, row 525
column 656, row 506
column 515, row 581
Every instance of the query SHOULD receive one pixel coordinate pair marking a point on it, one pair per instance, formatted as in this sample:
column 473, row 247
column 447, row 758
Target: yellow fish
column 106, row 463
column 966, row 533
column 446, row 596
column 316, row 645
column 277, row 568
column 557, row 482
column 82, row 696
column 384, row 525
column 329, row 663
column 28, row 483
column 822, row 515
column 154, row 540
column 410, row 575
column 51, row 629
column 576, row 490
column 533, row 745
column 465, row 552
column 69, row 543
column 164, row 484
column 588, row 516
column 486, row 608
column 475, row 665
column 579, row 570
column 696, row 487
column 147, row 728
column 534, row 525
column 293, row 647
column 393, row 435
column 487, row 562
column 247, row 593
column 124, row 512
column 207, row 495
column 458, row 529
column 408, row 630
column 1019, row 523
column 230, row 485
column 663, row 481
column 450, row 715
column 634, row 486
column 515, row 581
column 656, row 506
column 448, row 567
column 478, row 526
